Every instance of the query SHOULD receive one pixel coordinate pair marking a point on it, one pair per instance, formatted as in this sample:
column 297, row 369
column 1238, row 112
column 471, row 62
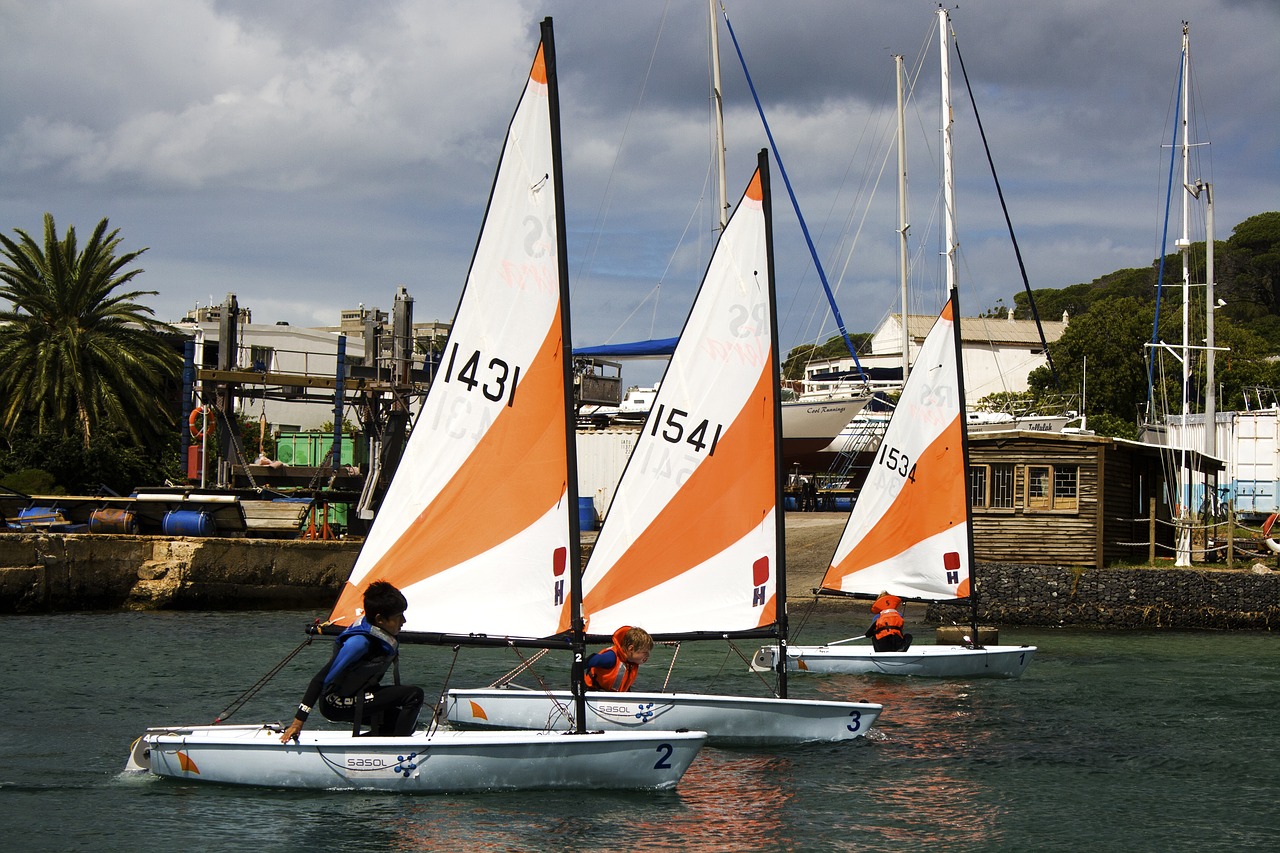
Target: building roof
column 995, row 330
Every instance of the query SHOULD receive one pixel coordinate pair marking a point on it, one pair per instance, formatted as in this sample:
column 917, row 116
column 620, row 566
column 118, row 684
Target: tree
column 78, row 354
column 1107, row 341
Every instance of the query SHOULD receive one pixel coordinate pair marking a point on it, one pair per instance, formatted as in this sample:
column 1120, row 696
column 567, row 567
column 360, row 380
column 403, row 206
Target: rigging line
column 1017, row 251
column 671, row 666
column 602, row 214
column 244, row 697
column 1164, row 234
column 813, row 252
column 437, row 714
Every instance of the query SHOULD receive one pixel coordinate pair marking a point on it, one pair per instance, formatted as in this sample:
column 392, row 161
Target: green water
column 1110, row 741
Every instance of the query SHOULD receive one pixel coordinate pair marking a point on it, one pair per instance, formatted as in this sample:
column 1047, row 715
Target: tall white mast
column 902, row 217
column 948, row 180
column 1183, row 557
column 718, row 100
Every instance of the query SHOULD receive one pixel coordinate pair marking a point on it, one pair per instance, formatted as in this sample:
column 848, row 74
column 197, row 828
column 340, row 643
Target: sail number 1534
column 897, row 461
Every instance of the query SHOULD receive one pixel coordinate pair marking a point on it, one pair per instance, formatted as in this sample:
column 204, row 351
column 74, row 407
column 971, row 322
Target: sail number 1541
column 497, row 380
column 675, row 428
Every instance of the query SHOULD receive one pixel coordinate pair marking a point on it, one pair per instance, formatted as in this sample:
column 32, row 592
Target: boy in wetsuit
column 348, row 685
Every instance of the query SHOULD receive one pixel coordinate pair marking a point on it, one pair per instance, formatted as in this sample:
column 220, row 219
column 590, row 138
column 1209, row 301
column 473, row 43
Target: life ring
column 195, row 424
column 1272, row 545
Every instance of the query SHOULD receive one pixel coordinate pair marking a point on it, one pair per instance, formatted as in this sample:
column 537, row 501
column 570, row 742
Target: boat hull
column 727, row 720
column 925, row 661
column 437, row 763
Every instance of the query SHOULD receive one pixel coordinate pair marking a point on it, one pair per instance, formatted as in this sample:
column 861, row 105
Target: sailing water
column 1135, row 741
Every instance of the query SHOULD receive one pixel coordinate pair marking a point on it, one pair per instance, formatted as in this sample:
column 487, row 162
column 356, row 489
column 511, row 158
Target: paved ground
column 811, row 540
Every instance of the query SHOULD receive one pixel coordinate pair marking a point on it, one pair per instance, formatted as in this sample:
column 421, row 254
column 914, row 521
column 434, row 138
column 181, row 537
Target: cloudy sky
column 309, row 155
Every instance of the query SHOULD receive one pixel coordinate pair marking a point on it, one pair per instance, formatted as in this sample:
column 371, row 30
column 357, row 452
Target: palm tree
column 76, row 356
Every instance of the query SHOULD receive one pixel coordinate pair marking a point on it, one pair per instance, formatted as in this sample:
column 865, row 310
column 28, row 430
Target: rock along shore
column 43, row 573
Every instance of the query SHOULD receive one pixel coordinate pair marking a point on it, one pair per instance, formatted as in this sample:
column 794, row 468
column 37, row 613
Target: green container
column 309, row 449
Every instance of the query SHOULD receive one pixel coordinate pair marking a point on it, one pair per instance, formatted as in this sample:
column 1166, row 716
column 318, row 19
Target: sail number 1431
column 496, row 379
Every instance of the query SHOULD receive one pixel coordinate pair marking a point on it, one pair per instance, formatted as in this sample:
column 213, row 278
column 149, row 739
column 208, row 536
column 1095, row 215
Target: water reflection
column 922, row 787
column 727, row 800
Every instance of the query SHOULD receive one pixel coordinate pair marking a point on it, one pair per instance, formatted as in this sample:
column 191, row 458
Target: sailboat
column 481, row 556
column 692, row 546
column 911, row 529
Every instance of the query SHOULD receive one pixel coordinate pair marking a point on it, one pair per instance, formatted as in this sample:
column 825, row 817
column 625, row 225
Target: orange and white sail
column 479, row 503
column 689, row 542
column 908, row 533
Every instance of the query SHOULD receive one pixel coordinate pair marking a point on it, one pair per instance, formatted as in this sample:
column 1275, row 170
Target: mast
column 717, row 98
column 953, row 290
column 948, row 179
column 1210, row 306
column 577, row 633
column 902, row 216
column 1184, row 244
column 775, row 358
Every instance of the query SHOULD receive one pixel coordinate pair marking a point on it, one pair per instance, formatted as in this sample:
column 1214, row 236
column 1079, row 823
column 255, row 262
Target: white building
column 998, row 353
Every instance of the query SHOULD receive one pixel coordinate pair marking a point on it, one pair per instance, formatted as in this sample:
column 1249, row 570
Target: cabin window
column 977, row 485
column 991, row 486
column 1052, row 487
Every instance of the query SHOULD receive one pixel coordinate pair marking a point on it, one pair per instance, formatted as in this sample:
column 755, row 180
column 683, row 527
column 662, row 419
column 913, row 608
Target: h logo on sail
column 558, row 561
column 759, row 578
column 951, row 562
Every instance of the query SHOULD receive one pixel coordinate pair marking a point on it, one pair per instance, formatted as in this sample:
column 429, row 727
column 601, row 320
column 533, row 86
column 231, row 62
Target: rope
column 244, row 697
column 671, row 667
column 436, row 712
column 524, row 665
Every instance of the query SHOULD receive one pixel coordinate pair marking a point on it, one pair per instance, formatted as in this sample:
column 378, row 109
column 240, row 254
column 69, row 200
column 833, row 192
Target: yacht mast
column 717, row 99
column 948, row 179
column 902, row 217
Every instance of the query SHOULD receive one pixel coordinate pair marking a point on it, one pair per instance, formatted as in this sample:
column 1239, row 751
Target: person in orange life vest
column 614, row 669
column 886, row 629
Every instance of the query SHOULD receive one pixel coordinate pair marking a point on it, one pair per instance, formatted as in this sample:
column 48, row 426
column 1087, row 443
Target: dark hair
column 383, row 599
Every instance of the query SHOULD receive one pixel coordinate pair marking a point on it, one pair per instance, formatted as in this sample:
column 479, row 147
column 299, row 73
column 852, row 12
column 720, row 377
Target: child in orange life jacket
column 614, row 669
column 886, row 629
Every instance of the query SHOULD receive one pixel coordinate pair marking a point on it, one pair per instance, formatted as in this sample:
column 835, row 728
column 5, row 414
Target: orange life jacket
column 619, row 677
column 889, row 622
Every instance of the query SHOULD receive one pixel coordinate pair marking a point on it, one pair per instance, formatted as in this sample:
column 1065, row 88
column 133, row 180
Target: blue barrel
column 188, row 522
column 112, row 521
column 40, row 516
column 789, row 503
column 586, row 513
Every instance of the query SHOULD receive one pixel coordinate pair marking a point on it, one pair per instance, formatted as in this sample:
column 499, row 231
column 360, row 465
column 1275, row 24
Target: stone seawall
column 42, row 573
column 51, row 573
column 1241, row 598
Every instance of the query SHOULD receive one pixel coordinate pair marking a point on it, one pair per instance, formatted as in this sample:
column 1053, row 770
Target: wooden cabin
column 1070, row 498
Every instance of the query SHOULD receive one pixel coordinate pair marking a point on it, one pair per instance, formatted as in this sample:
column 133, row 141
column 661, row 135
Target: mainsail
column 909, row 529
column 690, row 541
column 482, row 496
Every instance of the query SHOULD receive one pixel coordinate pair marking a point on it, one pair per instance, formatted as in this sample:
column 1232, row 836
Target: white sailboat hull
column 437, row 763
column 727, row 720
column 926, row 661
